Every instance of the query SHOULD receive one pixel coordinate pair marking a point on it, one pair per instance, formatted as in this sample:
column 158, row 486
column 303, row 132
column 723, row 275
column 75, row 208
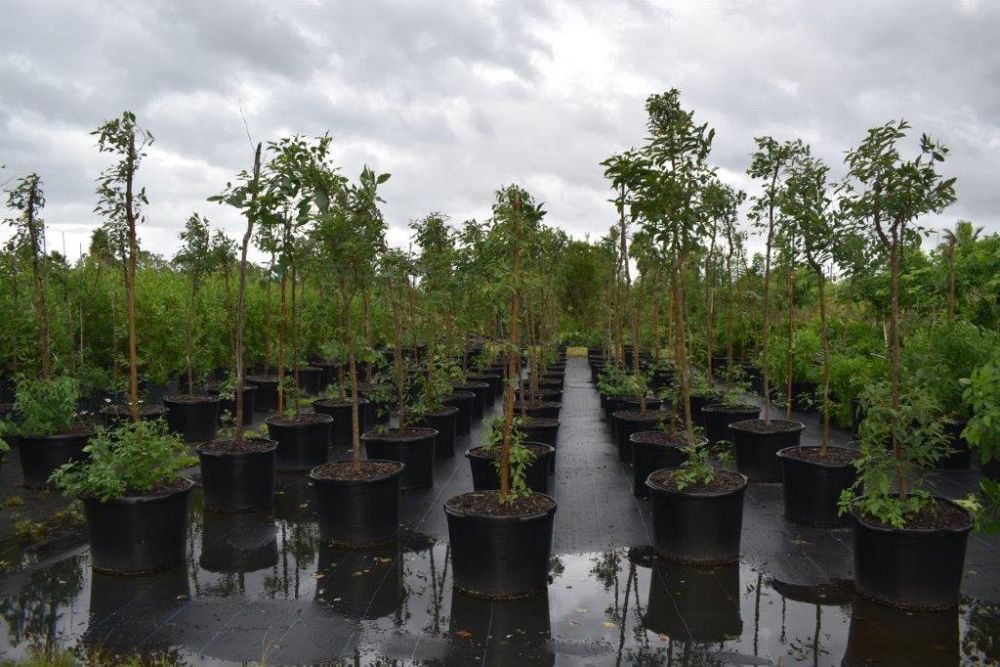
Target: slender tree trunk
column 710, row 308
column 192, row 311
column 282, row 331
column 41, row 308
column 765, row 380
column 512, row 355
column 790, row 361
column 951, row 282
column 133, row 251
column 296, row 392
column 241, row 302
column 894, row 264
column 825, row 336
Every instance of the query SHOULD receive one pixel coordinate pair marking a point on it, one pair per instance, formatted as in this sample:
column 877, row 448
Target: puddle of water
column 264, row 586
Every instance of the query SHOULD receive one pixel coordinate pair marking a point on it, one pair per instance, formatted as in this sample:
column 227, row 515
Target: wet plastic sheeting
column 264, row 587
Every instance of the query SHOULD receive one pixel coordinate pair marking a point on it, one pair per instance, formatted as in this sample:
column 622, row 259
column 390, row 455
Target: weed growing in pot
column 137, row 457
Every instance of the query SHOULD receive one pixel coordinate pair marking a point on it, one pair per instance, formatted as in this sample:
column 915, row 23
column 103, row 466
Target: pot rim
column 327, row 419
column 687, row 494
column 738, row 409
column 381, row 436
column 469, row 455
column 486, row 518
column 819, row 464
column 227, row 455
column 339, row 403
column 88, row 434
column 703, row 440
column 550, row 423
column 460, row 395
column 862, row 522
column 356, row 482
column 650, row 412
column 736, row 427
column 446, row 411
column 476, row 384
column 208, row 398
column 143, row 499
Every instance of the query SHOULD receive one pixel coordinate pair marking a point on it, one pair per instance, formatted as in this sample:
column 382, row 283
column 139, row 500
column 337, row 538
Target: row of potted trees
column 909, row 545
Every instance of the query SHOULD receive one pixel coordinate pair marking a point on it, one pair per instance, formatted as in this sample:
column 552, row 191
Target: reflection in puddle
column 265, row 584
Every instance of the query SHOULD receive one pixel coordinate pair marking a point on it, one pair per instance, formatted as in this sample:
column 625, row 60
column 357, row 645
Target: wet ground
column 263, row 587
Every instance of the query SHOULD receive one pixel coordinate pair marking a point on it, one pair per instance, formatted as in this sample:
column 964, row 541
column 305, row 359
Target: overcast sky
column 457, row 98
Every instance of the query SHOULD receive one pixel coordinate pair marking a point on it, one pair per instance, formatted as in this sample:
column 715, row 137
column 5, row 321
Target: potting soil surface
column 264, row 587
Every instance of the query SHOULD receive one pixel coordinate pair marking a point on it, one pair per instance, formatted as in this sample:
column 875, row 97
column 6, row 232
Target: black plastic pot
column 137, row 534
column 961, row 454
column 229, row 404
column 445, row 423
column 485, row 475
column 328, row 370
column 493, row 383
column 804, row 396
column 648, row 457
column 627, row 422
column 113, row 416
column 238, row 543
column 415, row 451
column 266, row 399
column 545, row 431
column 463, row 400
column 194, row 420
column 481, row 390
column 909, row 568
column 358, row 512
column 311, row 380
column 500, row 556
column 340, row 430
column 237, row 481
column 697, row 403
column 302, row 443
column 697, row 528
column 812, row 488
column 546, row 410
column 41, row 455
column 717, row 419
column 700, row 604
column 757, row 451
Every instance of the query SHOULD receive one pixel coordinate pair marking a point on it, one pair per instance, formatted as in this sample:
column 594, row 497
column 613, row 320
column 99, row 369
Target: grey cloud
column 455, row 98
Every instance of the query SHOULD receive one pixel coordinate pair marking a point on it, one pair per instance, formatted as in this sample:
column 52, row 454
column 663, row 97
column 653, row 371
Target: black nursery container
column 500, row 556
column 138, row 534
column 812, row 488
column 463, row 400
column 237, row 481
column 41, row 455
column 341, row 430
column 443, row 421
column 482, row 393
column 358, row 512
column 414, row 449
column 194, row 418
column 228, row 405
column 626, row 422
column 651, row 451
column 303, row 443
column 909, row 568
column 545, row 431
column 757, row 451
column 697, row 528
column 266, row 399
column 485, row 476
column 718, row 417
